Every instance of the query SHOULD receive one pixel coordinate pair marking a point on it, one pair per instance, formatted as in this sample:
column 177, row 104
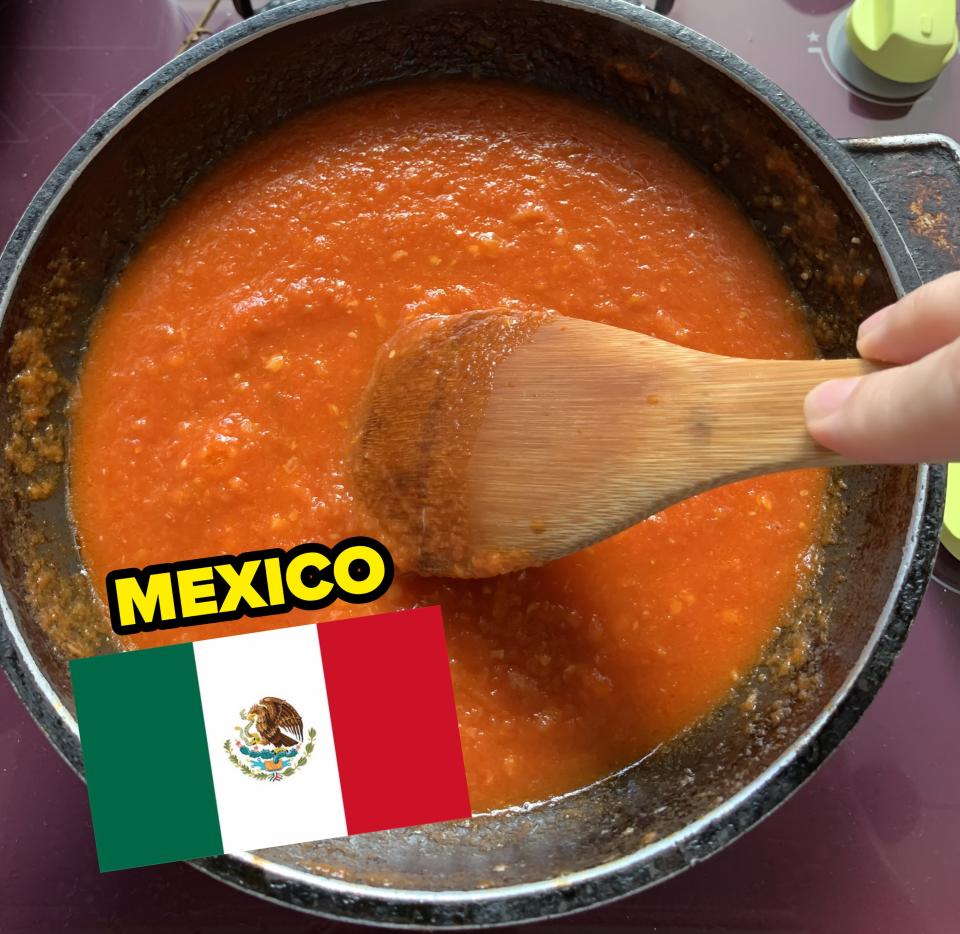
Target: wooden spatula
column 493, row 441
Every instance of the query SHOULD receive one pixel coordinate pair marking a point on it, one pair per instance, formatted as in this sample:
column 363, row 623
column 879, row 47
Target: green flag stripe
column 146, row 757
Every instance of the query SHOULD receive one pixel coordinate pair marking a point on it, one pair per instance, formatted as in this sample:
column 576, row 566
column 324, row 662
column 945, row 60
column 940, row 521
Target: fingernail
column 827, row 398
column 871, row 329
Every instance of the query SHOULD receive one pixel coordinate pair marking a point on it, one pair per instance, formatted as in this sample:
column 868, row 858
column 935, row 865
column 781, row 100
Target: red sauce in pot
column 219, row 390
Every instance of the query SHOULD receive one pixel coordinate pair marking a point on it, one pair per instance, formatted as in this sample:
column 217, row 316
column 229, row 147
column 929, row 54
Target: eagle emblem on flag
column 271, row 744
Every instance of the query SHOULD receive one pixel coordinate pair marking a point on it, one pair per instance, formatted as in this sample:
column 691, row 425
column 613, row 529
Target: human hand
column 908, row 413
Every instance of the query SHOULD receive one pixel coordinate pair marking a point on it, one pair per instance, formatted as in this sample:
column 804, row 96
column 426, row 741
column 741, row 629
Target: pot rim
column 647, row 865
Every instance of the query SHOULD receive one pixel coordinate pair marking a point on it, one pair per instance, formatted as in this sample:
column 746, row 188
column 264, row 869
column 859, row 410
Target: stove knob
column 910, row 41
column 951, row 518
column 893, row 49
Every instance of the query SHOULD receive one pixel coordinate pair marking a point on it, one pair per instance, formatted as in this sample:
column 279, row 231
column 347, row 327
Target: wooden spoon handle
column 758, row 406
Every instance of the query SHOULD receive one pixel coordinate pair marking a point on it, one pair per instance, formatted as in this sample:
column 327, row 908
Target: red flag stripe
column 394, row 720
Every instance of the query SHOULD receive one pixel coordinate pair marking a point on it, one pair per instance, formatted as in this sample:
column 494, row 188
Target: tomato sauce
column 217, row 397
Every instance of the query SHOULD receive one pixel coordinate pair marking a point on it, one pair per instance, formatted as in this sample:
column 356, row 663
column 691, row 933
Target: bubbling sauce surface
column 218, row 396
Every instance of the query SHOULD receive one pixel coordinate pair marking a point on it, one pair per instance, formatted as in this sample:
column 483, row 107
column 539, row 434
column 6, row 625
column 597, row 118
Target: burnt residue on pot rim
column 649, row 862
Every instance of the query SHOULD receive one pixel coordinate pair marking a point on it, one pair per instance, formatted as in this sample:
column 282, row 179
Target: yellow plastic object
column 951, row 518
column 910, row 41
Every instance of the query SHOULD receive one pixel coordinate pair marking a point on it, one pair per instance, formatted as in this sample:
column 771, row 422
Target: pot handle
column 246, row 9
column 918, row 179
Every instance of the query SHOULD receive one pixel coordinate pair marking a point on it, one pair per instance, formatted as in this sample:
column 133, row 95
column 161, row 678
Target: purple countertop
column 870, row 844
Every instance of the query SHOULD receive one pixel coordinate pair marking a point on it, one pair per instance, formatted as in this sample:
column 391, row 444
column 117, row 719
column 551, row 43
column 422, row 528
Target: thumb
column 903, row 415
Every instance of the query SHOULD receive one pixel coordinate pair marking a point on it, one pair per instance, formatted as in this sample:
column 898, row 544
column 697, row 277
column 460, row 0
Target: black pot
column 802, row 191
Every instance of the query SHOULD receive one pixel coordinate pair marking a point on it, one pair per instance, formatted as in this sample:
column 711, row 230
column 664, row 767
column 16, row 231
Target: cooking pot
column 801, row 190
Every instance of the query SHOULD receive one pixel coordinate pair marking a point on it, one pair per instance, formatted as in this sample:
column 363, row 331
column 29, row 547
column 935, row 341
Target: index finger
column 917, row 325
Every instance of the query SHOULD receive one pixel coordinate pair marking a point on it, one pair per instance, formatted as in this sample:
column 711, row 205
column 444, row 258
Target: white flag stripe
column 235, row 673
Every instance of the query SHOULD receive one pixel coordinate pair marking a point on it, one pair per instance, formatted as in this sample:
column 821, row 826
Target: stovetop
column 869, row 844
column 787, row 41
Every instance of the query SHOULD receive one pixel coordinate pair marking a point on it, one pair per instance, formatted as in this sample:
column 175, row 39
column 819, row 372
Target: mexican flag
column 271, row 738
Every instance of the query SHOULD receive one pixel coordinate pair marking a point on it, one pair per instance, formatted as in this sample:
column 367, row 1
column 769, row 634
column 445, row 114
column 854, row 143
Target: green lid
column 910, row 41
column 951, row 519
